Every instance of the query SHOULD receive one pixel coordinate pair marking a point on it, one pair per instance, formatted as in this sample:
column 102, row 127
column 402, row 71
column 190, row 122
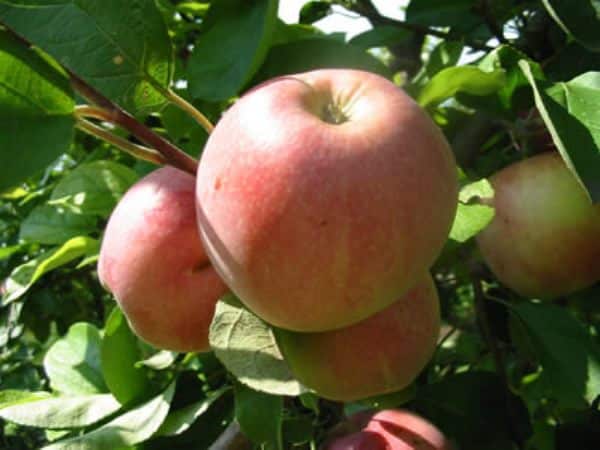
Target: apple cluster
column 321, row 200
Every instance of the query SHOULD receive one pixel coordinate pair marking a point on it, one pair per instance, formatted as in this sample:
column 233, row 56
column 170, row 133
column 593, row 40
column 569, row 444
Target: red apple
column 153, row 261
column 324, row 196
column 390, row 430
column 544, row 240
column 381, row 354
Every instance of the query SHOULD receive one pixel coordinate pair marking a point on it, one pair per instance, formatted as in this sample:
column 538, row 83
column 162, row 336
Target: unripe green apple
column 389, row 430
column 153, row 262
column 381, row 354
column 324, row 196
column 544, row 240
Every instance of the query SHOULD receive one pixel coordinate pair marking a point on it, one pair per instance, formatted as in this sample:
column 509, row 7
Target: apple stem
column 186, row 106
column 138, row 151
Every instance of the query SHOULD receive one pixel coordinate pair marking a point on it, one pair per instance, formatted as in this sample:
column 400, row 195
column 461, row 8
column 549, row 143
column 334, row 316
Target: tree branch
column 115, row 114
column 232, row 439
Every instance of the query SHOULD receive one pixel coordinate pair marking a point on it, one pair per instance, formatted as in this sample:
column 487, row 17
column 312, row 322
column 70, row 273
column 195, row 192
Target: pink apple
column 153, row 261
column 324, row 196
column 544, row 240
column 381, row 354
column 390, row 430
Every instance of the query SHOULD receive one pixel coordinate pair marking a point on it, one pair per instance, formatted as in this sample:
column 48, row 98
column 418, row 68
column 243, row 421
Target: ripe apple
column 381, row 354
column 544, row 240
column 153, row 261
column 389, row 430
column 324, row 196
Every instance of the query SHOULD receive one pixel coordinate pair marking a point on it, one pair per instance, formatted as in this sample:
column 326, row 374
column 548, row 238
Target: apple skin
column 153, row 261
column 544, row 240
column 317, row 225
column 382, row 354
column 390, row 430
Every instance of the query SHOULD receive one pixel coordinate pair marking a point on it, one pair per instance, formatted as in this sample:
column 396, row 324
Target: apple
column 153, row 261
column 389, row 430
column 381, row 354
column 544, row 240
column 323, row 197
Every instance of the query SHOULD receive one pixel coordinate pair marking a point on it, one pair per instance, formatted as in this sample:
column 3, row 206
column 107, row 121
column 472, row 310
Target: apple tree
column 497, row 348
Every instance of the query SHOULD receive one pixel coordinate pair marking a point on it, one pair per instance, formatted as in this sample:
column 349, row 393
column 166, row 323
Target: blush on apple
column 544, row 240
column 323, row 197
column 389, row 430
column 381, row 354
column 153, row 261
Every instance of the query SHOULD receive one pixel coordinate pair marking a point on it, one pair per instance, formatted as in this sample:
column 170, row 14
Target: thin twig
column 186, row 106
column 138, row 151
column 173, row 155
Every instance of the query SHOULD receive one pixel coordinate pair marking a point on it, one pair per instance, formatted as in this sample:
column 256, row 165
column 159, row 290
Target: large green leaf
column 94, row 188
column 571, row 114
column 36, row 106
column 317, row 53
column 247, row 347
column 73, row 362
column 381, row 36
column 232, row 47
column 120, row 46
column 551, row 334
column 465, row 79
column 25, row 275
column 580, row 20
column 259, row 415
column 60, row 412
column 131, row 428
column 119, row 353
column 48, row 224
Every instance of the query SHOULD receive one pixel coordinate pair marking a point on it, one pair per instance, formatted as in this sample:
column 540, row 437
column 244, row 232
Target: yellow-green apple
column 544, row 240
column 391, row 429
column 324, row 196
column 381, row 354
column 153, row 262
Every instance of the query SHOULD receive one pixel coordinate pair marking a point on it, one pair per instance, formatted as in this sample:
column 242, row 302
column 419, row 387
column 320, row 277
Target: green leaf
column 468, row 79
column 582, row 21
column 572, row 117
column 246, row 346
column 285, row 33
column 551, row 334
column 314, row 11
column 13, row 397
column 181, row 420
column 317, row 53
column 571, row 61
column 121, row 47
column 159, row 361
column 48, row 224
column 61, row 412
column 119, row 354
column 36, row 106
column 259, row 415
column 131, row 428
column 381, row 36
column 470, row 220
column 73, row 362
column 25, row 275
column 94, row 188
column 232, row 47
column 7, row 252
column 449, row 13
column 445, row 54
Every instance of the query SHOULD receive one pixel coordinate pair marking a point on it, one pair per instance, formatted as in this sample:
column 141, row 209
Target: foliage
column 504, row 80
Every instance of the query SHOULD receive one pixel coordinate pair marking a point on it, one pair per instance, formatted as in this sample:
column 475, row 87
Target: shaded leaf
column 48, row 224
column 247, row 347
column 381, row 36
column 232, row 47
column 73, row 362
column 259, row 415
column 582, row 21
